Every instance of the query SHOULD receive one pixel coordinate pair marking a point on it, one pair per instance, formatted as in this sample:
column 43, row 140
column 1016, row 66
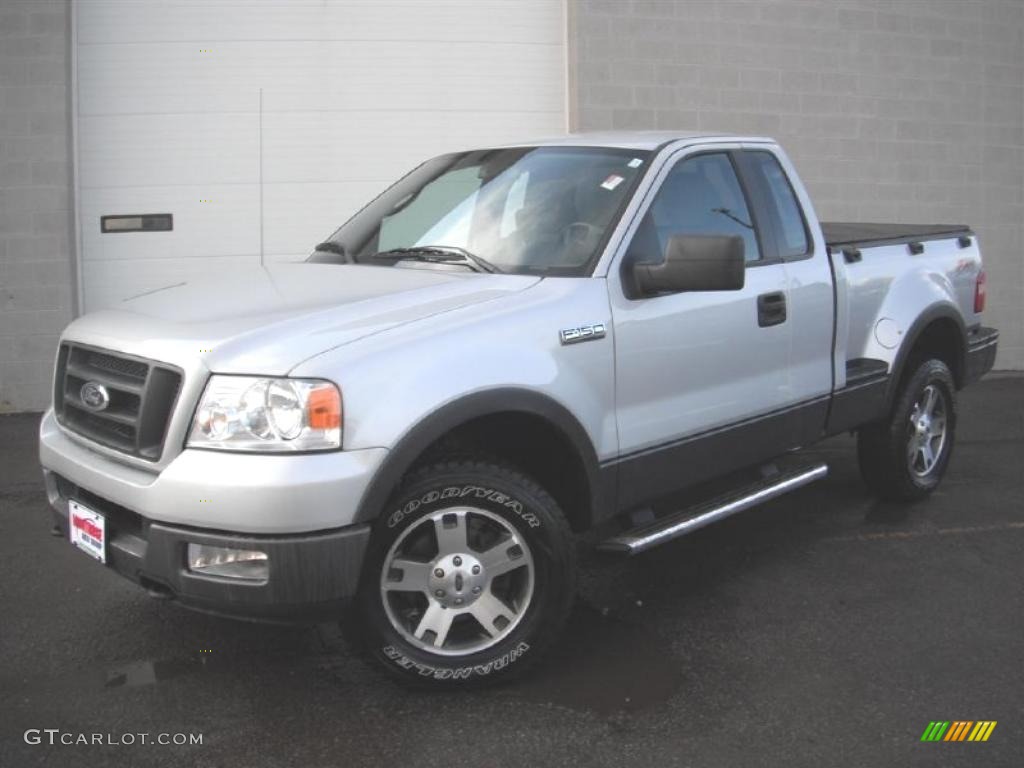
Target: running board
column 689, row 520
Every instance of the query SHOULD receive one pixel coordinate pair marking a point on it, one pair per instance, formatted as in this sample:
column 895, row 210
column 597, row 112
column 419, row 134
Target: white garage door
column 354, row 93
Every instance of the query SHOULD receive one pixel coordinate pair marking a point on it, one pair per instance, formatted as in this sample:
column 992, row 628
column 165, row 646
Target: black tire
column 888, row 467
column 495, row 500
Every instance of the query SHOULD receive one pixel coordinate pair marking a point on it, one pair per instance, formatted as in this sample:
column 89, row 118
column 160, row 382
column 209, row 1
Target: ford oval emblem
column 94, row 396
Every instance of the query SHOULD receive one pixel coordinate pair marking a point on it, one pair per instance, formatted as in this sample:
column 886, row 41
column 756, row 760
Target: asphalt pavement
column 822, row 629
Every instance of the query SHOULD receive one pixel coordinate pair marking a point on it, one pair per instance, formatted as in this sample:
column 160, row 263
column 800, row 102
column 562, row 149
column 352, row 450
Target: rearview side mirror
column 694, row 263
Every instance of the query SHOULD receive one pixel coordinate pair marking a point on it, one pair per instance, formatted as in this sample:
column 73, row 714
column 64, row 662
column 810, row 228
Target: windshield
column 525, row 210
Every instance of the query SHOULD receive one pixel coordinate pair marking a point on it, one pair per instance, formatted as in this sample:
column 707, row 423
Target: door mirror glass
column 694, row 263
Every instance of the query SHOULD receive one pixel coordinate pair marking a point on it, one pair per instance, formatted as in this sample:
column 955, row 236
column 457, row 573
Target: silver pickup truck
column 507, row 347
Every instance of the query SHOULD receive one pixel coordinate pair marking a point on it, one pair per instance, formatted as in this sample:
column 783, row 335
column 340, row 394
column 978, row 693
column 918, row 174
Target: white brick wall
column 35, row 220
column 898, row 110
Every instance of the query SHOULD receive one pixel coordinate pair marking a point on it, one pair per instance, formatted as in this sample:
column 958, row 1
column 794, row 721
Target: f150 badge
column 583, row 333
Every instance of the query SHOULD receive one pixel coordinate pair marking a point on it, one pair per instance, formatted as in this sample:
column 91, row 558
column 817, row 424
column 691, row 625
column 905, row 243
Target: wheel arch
column 939, row 332
column 529, row 429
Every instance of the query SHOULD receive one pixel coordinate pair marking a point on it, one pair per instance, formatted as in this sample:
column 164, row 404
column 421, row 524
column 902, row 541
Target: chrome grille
column 141, row 395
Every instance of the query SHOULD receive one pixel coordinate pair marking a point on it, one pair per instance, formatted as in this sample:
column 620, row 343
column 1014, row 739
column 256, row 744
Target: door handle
column 771, row 309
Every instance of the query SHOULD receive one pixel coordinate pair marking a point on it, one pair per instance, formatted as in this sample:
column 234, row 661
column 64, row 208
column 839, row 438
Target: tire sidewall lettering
column 455, row 673
column 463, row 493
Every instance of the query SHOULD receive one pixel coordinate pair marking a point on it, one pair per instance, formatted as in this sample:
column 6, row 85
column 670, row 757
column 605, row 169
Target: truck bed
column 846, row 234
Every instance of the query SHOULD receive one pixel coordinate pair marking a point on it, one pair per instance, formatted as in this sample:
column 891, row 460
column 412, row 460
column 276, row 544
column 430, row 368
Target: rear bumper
column 982, row 344
column 311, row 575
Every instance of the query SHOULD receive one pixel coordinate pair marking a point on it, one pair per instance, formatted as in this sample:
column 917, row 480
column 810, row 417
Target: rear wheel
column 469, row 577
column 906, row 457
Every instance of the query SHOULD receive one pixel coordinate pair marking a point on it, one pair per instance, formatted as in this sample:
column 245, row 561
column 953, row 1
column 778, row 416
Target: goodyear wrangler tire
column 469, row 578
column 905, row 458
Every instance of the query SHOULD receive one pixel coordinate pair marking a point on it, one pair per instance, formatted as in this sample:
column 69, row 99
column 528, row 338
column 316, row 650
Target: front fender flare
column 411, row 446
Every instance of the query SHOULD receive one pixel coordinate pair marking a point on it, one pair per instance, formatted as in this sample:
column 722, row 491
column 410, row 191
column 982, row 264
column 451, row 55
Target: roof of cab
column 636, row 139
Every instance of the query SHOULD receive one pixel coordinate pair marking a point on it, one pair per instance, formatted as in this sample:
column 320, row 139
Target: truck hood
column 267, row 320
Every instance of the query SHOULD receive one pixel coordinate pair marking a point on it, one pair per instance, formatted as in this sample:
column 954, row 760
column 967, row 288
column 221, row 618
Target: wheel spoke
column 930, row 397
column 436, row 619
column 415, row 576
column 502, row 557
column 938, row 426
column 487, row 610
column 927, row 455
column 920, row 462
column 451, row 533
column 913, row 448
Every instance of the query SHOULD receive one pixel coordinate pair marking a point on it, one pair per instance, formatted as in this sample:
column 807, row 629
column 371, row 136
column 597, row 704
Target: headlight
column 248, row 413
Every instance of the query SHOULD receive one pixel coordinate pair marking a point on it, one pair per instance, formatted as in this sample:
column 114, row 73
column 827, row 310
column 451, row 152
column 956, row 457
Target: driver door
column 698, row 374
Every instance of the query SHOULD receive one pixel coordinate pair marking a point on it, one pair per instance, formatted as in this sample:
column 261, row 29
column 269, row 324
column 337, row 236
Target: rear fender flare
column 935, row 312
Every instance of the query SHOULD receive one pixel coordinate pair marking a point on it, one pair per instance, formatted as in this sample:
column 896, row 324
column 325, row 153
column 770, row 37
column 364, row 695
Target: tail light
column 979, row 292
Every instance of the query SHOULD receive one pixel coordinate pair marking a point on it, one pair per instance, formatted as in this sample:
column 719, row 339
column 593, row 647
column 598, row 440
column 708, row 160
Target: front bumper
column 311, row 576
column 298, row 509
column 239, row 492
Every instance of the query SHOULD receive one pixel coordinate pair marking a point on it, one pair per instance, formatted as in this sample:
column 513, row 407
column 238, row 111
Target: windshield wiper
column 336, row 249
column 329, row 246
column 439, row 254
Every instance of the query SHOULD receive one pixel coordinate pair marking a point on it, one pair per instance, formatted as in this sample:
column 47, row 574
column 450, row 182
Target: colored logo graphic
column 959, row 730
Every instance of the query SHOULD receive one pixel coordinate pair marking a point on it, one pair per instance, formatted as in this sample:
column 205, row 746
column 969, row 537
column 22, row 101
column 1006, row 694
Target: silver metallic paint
column 402, row 343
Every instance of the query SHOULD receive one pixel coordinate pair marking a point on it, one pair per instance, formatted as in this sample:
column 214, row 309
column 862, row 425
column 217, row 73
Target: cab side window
column 700, row 196
column 789, row 238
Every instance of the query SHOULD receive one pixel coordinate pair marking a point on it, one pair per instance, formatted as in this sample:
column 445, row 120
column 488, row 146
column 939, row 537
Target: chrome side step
column 689, row 520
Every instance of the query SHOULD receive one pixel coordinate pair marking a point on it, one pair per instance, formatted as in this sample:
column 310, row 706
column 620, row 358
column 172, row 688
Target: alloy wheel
column 927, row 437
column 457, row 581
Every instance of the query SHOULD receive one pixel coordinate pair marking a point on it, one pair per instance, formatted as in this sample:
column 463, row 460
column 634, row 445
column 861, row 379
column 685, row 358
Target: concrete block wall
column 36, row 277
column 893, row 110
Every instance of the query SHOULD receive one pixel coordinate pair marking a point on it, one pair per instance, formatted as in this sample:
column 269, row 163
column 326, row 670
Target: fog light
column 246, row 564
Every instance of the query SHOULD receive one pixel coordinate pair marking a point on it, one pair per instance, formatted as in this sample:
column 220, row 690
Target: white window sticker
column 636, row 162
column 612, row 182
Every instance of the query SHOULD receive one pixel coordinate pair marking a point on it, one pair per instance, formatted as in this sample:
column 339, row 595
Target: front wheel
column 905, row 458
column 469, row 578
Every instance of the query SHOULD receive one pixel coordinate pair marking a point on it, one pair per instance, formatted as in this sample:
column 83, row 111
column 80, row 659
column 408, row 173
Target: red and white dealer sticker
column 88, row 531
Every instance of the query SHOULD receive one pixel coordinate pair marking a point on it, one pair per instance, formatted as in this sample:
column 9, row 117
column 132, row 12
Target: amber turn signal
column 323, row 408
